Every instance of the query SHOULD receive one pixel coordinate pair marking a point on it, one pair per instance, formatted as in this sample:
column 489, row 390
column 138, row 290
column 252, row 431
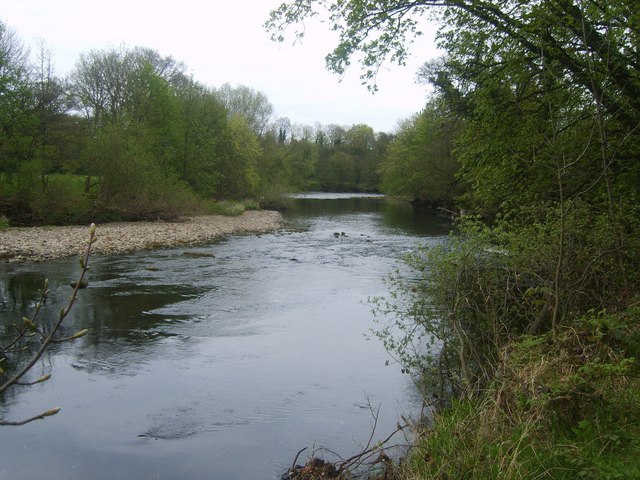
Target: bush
column 62, row 201
column 223, row 207
column 457, row 304
column 564, row 408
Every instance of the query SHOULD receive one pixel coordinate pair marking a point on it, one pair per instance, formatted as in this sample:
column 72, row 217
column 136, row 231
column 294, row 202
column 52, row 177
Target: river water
column 218, row 361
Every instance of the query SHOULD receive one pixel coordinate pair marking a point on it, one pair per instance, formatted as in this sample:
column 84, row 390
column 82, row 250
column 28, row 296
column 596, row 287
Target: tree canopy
column 129, row 134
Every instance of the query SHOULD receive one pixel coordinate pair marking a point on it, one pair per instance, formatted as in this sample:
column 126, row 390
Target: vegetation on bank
column 129, row 135
column 560, row 408
column 523, row 325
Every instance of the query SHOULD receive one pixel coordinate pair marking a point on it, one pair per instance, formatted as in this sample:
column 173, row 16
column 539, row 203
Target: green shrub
column 62, row 201
column 564, row 408
column 224, row 207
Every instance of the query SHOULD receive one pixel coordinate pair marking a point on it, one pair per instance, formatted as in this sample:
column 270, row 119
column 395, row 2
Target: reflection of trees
column 393, row 214
column 20, row 291
column 119, row 314
column 338, row 206
column 123, row 327
column 401, row 216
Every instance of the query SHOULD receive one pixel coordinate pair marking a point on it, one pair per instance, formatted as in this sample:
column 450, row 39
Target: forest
column 130, row 135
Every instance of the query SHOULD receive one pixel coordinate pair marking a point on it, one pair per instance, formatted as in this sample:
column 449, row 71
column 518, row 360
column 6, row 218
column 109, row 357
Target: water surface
column 221, row 365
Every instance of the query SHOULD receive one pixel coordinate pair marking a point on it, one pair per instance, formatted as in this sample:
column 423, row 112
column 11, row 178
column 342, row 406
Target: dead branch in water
column 366, row 462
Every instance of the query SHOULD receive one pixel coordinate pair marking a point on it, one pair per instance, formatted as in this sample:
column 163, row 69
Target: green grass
column 559, row 409
column 229, row 207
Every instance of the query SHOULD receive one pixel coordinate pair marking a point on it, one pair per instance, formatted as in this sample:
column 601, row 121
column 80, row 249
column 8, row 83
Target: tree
column 203, row 125
column 252, row 105
column 51, row 108
column 18, row 124
column 419, row 163
column 558, row 30
column 301, row 158
column 236, row 162
column 360, row 142
column 99, row 85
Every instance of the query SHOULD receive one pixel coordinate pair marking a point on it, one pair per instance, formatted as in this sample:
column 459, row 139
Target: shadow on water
column 221, row 363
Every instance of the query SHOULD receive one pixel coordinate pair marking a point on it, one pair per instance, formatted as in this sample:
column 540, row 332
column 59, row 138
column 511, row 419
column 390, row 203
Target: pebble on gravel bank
column 45, row 243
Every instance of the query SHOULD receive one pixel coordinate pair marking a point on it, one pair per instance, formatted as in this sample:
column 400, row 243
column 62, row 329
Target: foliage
column 377, row 30
column 131, row 184
column 61, row 202
column 150, row 141
column 251, row 105
column 558, row 30
column 455, row 307
column 420, row 163
column 237, row 176
column 227, row 207
column 564, row 408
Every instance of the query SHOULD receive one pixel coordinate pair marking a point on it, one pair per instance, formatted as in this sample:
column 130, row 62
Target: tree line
column 129, row 134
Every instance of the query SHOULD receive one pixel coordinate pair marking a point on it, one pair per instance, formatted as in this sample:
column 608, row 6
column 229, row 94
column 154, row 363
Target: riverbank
column 23, row 244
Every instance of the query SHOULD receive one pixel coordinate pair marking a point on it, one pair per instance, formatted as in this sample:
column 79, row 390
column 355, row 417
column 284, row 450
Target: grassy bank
column 564, row 408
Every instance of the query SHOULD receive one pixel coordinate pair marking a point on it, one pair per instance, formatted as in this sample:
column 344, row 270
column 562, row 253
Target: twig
column 49, row 338
column 63, row 314
column 295, row 460
column 48, row 413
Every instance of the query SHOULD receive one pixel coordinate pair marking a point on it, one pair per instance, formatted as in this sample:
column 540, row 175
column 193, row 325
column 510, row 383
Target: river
column 218, row 361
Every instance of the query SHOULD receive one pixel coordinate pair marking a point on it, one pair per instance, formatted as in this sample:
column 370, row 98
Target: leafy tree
column 558, row 30
column 153, row 107
column 99, row 85
column 360, row 143
column 420, row 164
column 253, row 106
column 18, row 124
column 236, row 164
column 302, row 156
column 338, row 172
column 132, row 183
column 203, row 121
column 272, row 165
column 51, row 106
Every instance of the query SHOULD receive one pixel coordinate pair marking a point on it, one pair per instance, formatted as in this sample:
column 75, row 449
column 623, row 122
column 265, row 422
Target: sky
column 224, row 42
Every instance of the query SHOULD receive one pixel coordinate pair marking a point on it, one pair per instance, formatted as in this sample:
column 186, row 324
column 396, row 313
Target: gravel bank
column 45, row 243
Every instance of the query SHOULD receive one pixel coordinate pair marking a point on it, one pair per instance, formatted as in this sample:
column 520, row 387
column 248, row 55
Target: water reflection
column 219, row 365
column 392, row 215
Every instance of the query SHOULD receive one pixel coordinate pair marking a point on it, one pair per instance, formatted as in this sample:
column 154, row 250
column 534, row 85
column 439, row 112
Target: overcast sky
column 224, row 42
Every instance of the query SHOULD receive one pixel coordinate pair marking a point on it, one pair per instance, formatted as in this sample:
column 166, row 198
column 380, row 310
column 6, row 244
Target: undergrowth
column 557, row 409
column 229, row 207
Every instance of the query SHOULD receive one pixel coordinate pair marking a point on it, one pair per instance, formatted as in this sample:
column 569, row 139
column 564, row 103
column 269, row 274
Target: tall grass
column 562, row 409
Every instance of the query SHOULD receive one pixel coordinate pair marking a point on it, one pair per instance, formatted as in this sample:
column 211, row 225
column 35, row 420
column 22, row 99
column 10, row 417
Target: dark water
column 220, row 366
